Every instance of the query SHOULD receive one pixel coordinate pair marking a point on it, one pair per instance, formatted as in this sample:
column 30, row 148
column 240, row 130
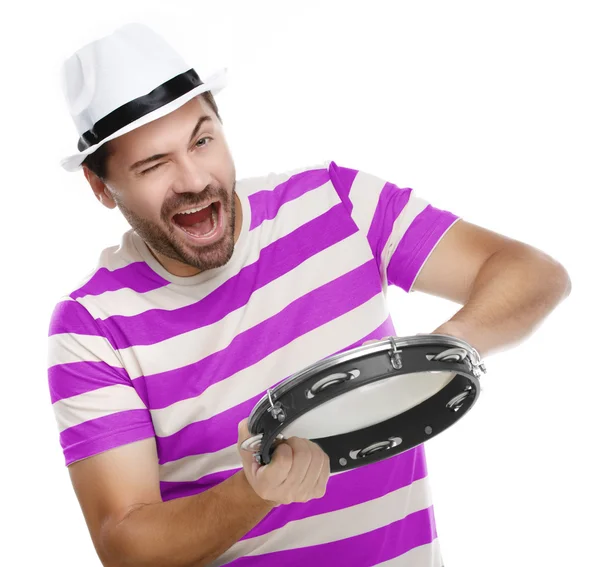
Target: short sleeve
column 95, row 404
column 401, row 227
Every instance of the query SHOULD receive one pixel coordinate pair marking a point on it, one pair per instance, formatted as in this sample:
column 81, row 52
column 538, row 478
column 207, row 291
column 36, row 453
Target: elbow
column 119, row 546
column 567, row 278
column 567, row 288
column 552, row 274
column 561, row 280
column 128, row 544
column 557, row 285
column 115, row 549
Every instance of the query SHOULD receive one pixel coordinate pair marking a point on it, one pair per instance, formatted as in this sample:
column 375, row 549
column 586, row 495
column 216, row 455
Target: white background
column 490, row 110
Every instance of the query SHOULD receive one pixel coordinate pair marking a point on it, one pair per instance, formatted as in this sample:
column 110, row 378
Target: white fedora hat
column 123, row 81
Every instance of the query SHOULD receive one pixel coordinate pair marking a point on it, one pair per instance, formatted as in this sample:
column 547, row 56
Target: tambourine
column 369, row 403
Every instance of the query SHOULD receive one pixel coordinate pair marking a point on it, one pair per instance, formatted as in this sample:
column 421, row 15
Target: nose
column 191, row 176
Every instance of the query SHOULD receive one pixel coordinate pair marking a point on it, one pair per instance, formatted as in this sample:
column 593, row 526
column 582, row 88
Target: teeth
column 190, row 211
column 215, row 219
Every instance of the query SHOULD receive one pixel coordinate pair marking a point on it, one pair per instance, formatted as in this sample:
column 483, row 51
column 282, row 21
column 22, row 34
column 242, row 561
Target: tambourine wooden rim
column 360, row 366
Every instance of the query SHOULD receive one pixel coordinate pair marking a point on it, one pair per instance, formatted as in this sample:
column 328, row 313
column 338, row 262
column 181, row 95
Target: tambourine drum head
column 369, row 404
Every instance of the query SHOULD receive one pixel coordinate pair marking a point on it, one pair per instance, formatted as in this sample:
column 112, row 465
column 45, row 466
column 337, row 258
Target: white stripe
column 187, row 348
column 291, row 216
column 64, row 348
column 413, row 207
column 364, row 195
column 111, row 259
column 249, row 382
column 427, row 555
column 336, row 525
column 194, row 467
column 117, row 257
column 97, row 403
column 270, row 181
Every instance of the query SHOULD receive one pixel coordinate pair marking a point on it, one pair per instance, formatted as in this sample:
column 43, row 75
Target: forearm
column 513, row 293
column 189, row 531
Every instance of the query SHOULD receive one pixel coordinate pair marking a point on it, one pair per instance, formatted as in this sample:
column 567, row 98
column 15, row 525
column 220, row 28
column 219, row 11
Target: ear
column 99, row 188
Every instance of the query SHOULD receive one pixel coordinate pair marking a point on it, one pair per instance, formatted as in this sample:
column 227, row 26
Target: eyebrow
column 155, row 157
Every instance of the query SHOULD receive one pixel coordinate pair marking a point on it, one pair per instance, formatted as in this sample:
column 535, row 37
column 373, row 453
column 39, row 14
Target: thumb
column 247, row 457
column 243, row 431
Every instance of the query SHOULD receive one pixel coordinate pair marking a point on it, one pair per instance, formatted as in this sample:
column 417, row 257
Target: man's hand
column 298, row 471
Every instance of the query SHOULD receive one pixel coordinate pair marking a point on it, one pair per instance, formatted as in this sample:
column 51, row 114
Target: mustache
column 195, row 199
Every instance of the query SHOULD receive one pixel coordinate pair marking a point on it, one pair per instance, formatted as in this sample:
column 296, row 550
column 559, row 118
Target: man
column 223, row 288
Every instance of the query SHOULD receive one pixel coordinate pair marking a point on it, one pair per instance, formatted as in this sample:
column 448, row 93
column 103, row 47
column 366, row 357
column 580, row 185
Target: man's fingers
column 297, row 472
column 318, row 462
column 321, row 484
column 243, row 431
column 279, row 468
column 302, row 458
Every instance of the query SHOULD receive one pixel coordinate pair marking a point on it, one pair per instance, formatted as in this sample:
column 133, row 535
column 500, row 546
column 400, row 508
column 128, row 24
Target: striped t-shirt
column 136, row 352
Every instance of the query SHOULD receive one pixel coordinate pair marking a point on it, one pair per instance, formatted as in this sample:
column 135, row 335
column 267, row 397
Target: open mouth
column 201, row 223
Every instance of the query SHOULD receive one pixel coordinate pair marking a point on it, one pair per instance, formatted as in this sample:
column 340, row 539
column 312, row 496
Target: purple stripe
column 363, row 550
column 104, row 433
column 207, row 436
column 220, row 431
column 74, row 378
column 171, row 490
column 392, row 201
column 137, row 276
column 301, row 316
column 416, row 244
column 352, row 488
column 266, row 204
column 72, row 317
column 278, row 258
column 342, row 179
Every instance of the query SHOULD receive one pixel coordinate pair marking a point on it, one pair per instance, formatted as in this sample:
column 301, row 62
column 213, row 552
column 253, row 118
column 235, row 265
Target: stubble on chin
column 169, row 243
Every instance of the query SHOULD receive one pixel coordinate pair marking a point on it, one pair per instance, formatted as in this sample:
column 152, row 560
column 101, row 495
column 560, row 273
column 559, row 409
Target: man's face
column 180, row 162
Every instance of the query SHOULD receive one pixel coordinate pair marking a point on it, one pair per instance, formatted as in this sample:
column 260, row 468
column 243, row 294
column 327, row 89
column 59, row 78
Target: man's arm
column 119, row 494
column 507, row 288
column 130, row 525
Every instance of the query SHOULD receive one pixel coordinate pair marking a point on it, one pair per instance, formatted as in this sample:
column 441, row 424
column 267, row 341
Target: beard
column 164, row 238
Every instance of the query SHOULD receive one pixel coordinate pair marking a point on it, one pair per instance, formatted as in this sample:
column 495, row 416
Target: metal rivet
column 343, row 462
column 428, row 430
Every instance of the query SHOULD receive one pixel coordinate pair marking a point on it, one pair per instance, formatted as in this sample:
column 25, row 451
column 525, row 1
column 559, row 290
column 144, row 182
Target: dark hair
column 96, row 162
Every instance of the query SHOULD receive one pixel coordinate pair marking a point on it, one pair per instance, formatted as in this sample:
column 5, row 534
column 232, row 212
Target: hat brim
column 215, row 83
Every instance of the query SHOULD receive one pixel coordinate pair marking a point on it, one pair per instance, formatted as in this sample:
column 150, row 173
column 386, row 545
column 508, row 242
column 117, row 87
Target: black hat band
column 135, row 109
